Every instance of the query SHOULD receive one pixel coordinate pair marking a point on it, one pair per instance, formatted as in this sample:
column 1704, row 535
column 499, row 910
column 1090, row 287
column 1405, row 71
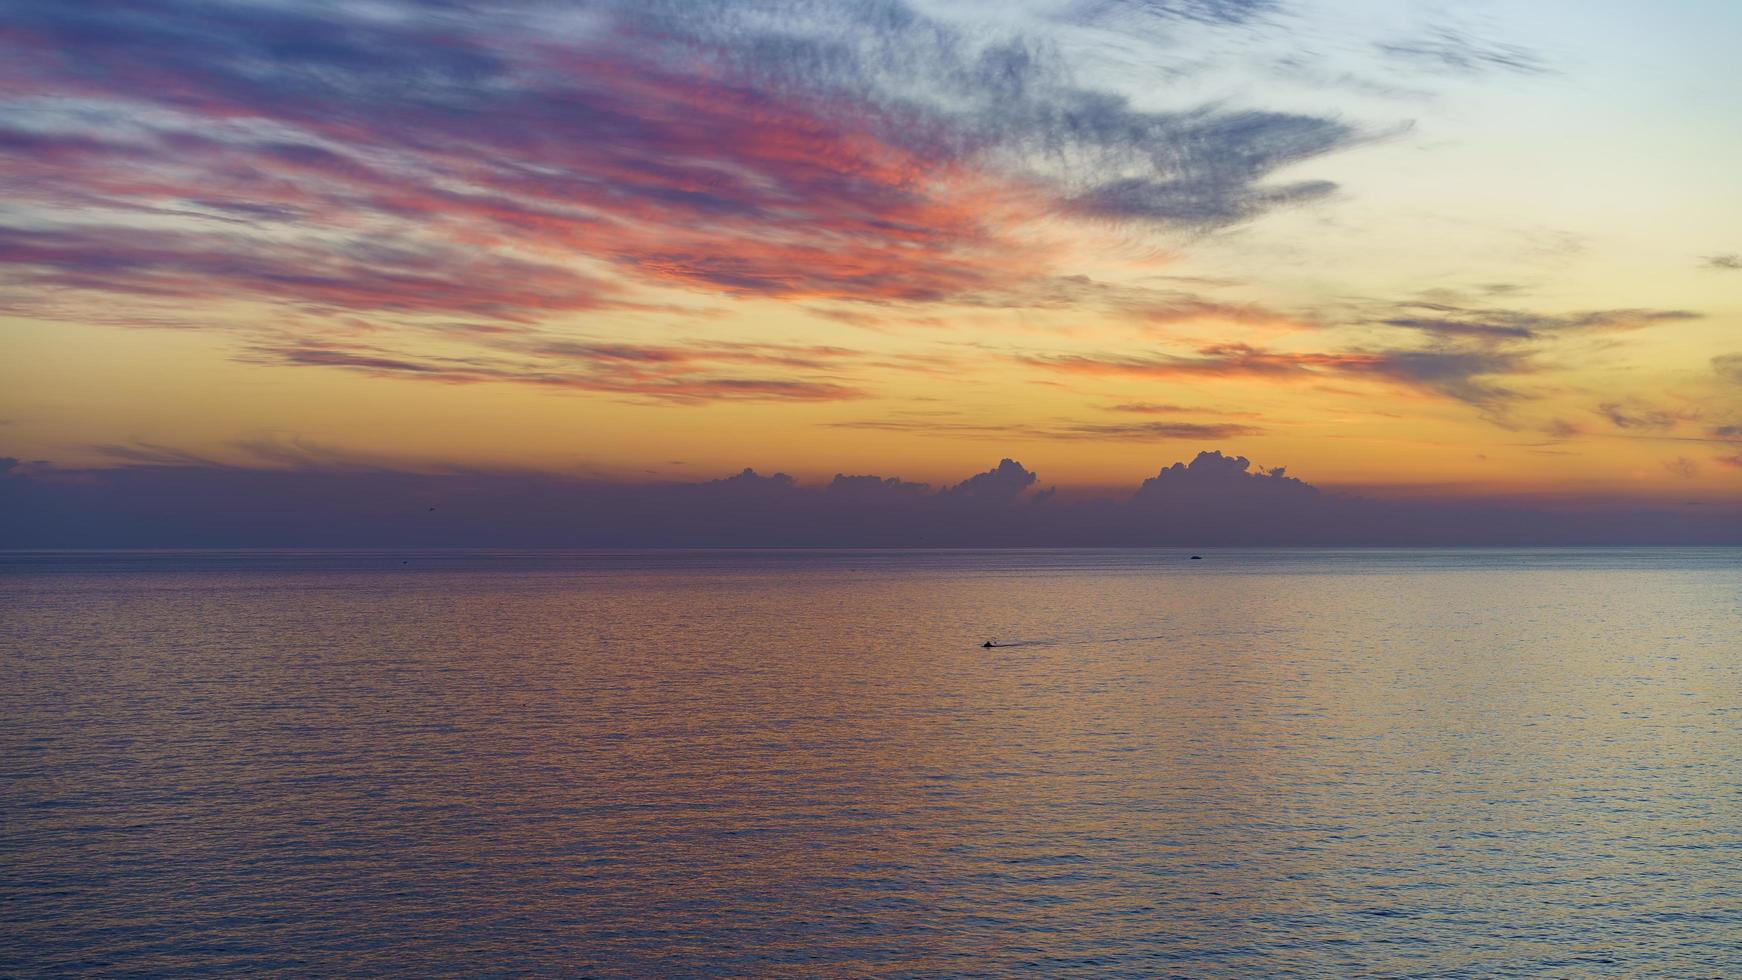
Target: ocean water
column 1262, row 764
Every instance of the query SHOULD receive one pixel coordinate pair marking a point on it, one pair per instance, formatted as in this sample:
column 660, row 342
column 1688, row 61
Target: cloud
column 1002, row 482
column 1449, row 328
column 1496, row 325
column 1147, row 306
column 1158, row 430
column 1653, row 419
column 379, row 276
column 1451, row 50
column 329, row 184
column 1728, row 367
column 1154, row 408
column 845, row 151
column 1220, row 361
column 1192, row 309
column 150, row 454
column 669, row 374
column 1057, row 430
column 1206, row 171
column 1731, row 434
column 748, row 481
column 1470, row 354
column 1115, row 12
column 1728, row 262
column 1213, row 475
column 1618, row 320
column 871, row 488
column 1683, row 467
column 171, row 499
column 1462, row 375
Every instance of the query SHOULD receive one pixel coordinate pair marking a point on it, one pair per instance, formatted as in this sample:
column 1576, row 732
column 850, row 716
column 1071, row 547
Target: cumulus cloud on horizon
column 167, row 499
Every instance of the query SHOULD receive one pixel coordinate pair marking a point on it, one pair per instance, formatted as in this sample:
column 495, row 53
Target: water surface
column 1296, row 763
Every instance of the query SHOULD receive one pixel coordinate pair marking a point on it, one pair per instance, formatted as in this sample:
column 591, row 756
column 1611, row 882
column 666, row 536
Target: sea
column 1292, row 763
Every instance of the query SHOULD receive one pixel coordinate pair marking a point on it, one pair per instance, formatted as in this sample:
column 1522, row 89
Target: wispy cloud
column 370, row 277
column 1117, row 12
column 1464, row 375
column 657, row 374
column 796, row 149
column 1456, row 51
column 1682, row 467
column 1497, row 324
column 1057, row 430
column 1643, row 417
column 1155, row 408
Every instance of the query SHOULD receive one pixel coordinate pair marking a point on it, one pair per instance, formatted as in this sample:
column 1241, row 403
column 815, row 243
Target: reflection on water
column 1331, row 763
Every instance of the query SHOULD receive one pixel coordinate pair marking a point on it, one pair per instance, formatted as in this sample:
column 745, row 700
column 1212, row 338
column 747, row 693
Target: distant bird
column 1197, row 558
column 432, row 509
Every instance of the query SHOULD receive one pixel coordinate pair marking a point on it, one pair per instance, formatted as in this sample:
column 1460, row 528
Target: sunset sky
column 1473, row 249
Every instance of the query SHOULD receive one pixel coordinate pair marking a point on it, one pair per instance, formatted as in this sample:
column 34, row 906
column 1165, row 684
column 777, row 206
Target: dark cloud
column 1208, row 203
column 148, row 453
column 1643, row 417
column 1206, row 172
column 1682, row 467
column 1448, row 49
column 1065, row 430
column 1219, row 12
column 1462, row 329
column 1215, row 499
column 1159, row 430
column 670, row 374
column 382, row 276
column 1618, row 320
column 1729, row 262
column 1728, row 367
column 1470, row 352
column 871, row 488
column 1464, row 375
column 1155, row 408
column 1497, row 325
column 1003, row 482
column 1214, row 475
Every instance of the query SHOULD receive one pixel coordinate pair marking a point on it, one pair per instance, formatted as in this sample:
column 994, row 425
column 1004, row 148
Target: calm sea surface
column 1262, row 764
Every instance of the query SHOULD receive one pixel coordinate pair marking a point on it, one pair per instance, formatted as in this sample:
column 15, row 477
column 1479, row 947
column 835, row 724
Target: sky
column 1473, row 253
